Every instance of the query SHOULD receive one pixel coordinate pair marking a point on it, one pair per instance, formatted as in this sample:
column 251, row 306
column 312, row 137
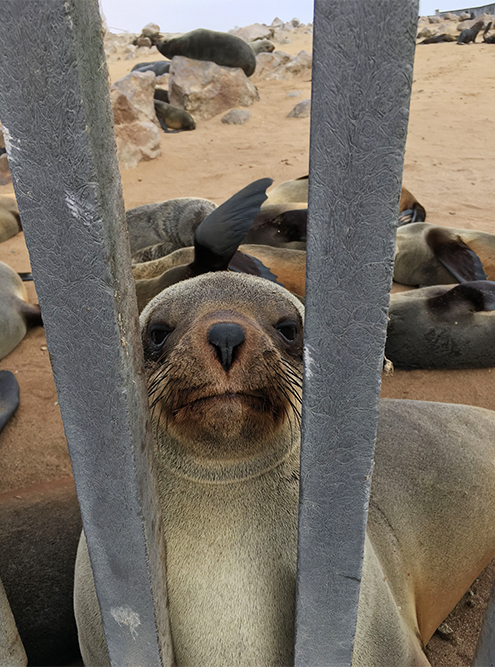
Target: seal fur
column 217, row 47
column 469, row 34
column 10, row 221
column 16, row 314
column 227, row 447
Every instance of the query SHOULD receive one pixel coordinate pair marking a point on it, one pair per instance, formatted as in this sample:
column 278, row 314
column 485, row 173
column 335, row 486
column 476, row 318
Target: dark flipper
column 242, row 263
column 415, row 214
column 478, row 295
column 220, row 234
column 25, row 277
column 9, row 397
column 451, row 251
column 31, row 314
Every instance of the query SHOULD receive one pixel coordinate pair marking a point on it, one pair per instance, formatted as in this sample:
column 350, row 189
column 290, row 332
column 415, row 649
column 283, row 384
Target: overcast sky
column 185, row 15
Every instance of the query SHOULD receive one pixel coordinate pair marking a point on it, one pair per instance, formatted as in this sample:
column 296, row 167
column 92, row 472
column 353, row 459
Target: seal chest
column 224, row 384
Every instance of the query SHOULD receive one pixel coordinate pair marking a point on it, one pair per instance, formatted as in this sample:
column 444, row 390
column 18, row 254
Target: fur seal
column 469, row 34
column 438, row 39
column 262, row 46
column 410, row 210
column 279, row 224
column 488, row 39
column 10, row 221
column 443, row 326
column 158, row 67
column 227, row 451
column 173, row 118
column 218, row 47
column 170, row 224
column 16, row 314
column 9, row 397
column 433, row 255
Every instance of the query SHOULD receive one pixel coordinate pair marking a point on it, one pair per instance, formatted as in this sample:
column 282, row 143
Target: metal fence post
column 362, row 76
column 55, row 109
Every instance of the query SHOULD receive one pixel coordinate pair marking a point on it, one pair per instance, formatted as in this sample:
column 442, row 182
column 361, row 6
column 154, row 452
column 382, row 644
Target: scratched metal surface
column 55, row 108
column 362, row 76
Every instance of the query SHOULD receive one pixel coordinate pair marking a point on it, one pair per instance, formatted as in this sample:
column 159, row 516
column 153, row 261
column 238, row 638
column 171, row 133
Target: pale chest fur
column 231, row 567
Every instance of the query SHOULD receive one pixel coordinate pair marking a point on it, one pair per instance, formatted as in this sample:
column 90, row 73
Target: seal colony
column 223, row 355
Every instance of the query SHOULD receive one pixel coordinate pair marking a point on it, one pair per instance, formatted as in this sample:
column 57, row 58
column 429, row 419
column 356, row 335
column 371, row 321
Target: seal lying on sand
column 223, row 356
column 469, row 34
column 488, row 39
column 10, row 222
column 158, row 67
column 16, row 314
column 217, row 47
column 438, row 39
column 443, row 326
column 170, row 224
column 173, row 118
column 410, row 210
column 432, row 255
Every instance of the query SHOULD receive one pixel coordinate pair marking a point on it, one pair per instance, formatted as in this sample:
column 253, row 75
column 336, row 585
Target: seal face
column 223, row 377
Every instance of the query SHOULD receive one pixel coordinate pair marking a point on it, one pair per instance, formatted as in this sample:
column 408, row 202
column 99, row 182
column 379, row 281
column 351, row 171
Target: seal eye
column 288, row 330
column 159, row 334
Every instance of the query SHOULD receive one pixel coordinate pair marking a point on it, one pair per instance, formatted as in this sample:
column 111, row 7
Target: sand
column 449, row 167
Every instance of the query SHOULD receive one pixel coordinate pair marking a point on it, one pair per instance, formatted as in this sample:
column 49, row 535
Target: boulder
column 136, row 142
column 151, row 30
column 294, row 93
column 144, row 41
column 5, row 176
column 435, row 19
column 253, row 32
column 465, row 16
column 236, row 117
column 269, row 64
column 425, row 33
column 301, row 110
column 301, row 64
column 277, row 23
column 139, row 88
column 449, row 16
column 130, row 52
column 205, row 89
column 446, row 29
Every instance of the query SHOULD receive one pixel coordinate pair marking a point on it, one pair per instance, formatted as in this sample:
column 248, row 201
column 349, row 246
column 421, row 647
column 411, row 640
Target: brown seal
column 433, row 255
column 10, row 222
column 223, row 356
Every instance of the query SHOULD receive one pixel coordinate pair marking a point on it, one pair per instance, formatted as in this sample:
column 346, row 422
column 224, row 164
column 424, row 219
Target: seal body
column 170, row 224
column 223, row 356
column 469, row 34
column 173, row 118
column 419, row 246
column 10, row 222
column 158, row 67
column 443, row 326
column 217, row 47
column 16, row 314
column 262, row 46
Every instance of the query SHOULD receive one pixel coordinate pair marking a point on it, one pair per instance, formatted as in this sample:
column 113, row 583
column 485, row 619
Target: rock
column 236, row 117
column 139, row 88
column 280, row 36
column 465, row 16
column 446, row 29
column 445, row 632
column 123, row 111
column 205, row 89
column 144, row 41
column 486, row 18
column 150, row 30
column 163, row 80
column 137, row 142
column 270, row 65
column 425, row 33
column 253, row 32
column 449, row 16
column 262, row 46
column 130, row 52
column 296, row 22
column 294, row 93
column 300, row 64
column 434, row 19
column 277, row 23
column 301, row 110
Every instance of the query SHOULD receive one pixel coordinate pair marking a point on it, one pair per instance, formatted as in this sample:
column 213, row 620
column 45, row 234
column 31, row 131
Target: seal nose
column 226, row 338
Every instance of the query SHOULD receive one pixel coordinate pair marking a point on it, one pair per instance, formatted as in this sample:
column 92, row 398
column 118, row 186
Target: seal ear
column 458, row 258
column 220, row 234
column 242, row 263
column 478, row 295
column 9, row 396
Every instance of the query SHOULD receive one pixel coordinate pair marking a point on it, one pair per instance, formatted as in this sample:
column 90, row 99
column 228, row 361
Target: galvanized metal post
column 484, row 656
column 57, row 119
column 362, row 76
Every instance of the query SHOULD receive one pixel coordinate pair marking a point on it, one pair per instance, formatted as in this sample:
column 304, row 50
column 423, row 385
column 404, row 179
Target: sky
column 185, row 15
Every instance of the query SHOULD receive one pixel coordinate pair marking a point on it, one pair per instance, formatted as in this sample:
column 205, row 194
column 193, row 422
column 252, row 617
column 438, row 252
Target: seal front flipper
column 25, row 277
column 457, row 257
column 9, row 397
column 242, row 263
column 478, row 295
column 223, row 230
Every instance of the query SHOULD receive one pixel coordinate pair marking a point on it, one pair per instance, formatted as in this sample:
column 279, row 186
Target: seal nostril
column 226, row 338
